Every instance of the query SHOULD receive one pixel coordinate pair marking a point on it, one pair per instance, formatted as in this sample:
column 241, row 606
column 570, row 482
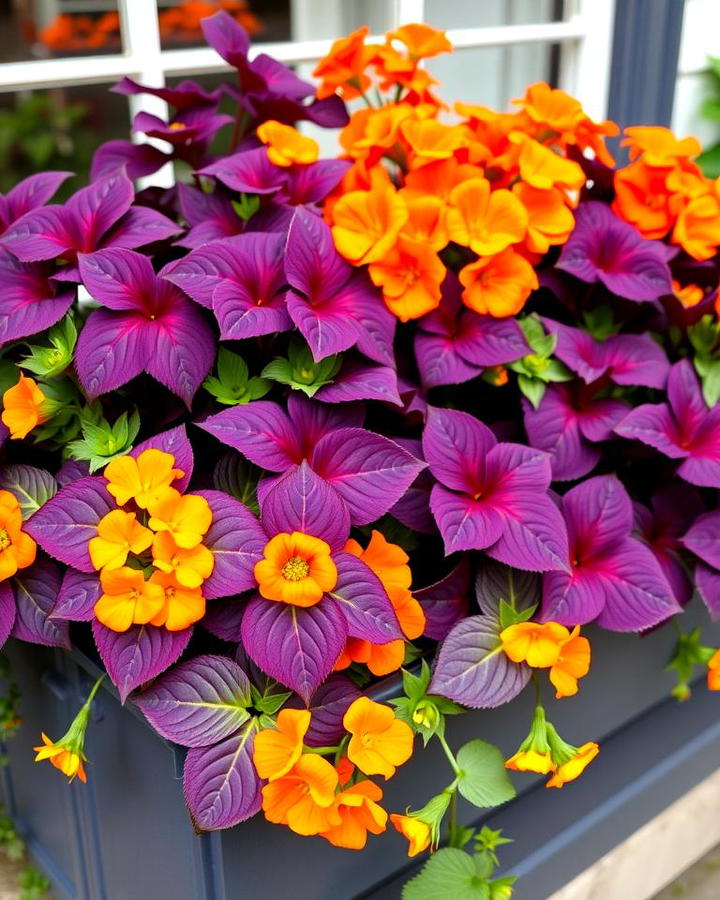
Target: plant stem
column 454, row 835
column 448, row 752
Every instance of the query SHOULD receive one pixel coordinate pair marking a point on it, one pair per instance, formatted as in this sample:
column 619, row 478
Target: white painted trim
column 585, row 66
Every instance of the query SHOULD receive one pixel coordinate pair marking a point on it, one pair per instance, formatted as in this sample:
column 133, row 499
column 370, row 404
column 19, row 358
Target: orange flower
column 713, row 674
column 426, row 219
column 575, row 766
column 439, row 178
column 550, row 222
column 286, row 146
column 535, row 643
column 17, row 549
column 591, row 135
column 484, row 220
column 551, row 107
column 185, row 516
column 421, row 40
column 379, row 741
column 182, row 607
column 658, row 146
column 191, row 567
column 572, row 663
column 66, row 760
column 530, row 761
column 276, row 750
column 499, row 285
column 118, row 533
column 297, row 569
column 542, row 168
column 689, row 294
column 381, row 659
column 410, row 277
column 431, row 140
column 144, row 480
column 697, row 229
column 342, row 71
column 127, row 599
column 642, row 198
column 367, row 223
column 418, row 833
column 304, row 798
column 24, row 407
column 359, row 813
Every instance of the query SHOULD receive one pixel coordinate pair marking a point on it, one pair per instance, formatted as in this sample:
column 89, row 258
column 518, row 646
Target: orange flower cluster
column 483, row 196
column 151, row 558
column 550, row 646
column 663, row 192
column 80, row 32
column 313, row 797
column 17, row 549
column 390, row 563
column 182, row 22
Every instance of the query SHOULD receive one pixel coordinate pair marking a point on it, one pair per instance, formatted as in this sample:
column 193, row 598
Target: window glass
column 485, row 13
column 264, row 20
column 47, row 29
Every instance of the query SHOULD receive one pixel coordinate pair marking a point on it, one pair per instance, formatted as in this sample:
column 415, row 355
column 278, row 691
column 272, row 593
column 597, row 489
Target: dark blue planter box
column 126, row 834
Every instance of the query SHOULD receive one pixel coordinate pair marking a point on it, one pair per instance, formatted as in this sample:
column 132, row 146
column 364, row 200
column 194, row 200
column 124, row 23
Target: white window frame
column 585, row 38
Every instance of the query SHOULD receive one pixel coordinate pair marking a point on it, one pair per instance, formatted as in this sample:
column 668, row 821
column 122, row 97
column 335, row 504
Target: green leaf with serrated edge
column 449, row 873
column 415, row 686
column 484, row 781
column 270, row 703
column 709, row 372
column 231, row 368
column 511, row 616
column 533, row 389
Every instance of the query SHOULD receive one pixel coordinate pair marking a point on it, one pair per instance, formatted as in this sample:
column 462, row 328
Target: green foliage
column 102, row 441
column 239, row 478
column 688, row 653
column 233, row 384
column 424, row 713
column 536, row 370
column 300, row 371
column 709, row 160
column 246, row 206
column 48, row 362
column 705, row 339
column 267, row 701
column 33, row 884
column 483, row 778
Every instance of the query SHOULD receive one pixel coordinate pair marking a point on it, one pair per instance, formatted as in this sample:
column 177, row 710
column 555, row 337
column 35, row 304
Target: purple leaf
column 7, row 611
column 312, row 183
column 220, row 783
column 65, row 524
column 302, row 501
column 138, row 160
column 31, row 486
column 236, row 540
column 464, row 523
column 30, row 300
column 135, row 656
column 71, row 470
column 327, row 707
column 175, row 441
column 35, row 591
column 294, row 645
column 140, row 226
column 198, row 702
column 447, row 601
column 364, row 601
column 370, row 472
column 455, row 445
column 223, row 618
column 118, row 279
column 249, row 172
column 76, row 599
column 109, row 351
column 357, row 381
column 496, row 582
column 473, row 669
column 703, row 538
column 261, row 431
column 707, row 581
column 29, row 194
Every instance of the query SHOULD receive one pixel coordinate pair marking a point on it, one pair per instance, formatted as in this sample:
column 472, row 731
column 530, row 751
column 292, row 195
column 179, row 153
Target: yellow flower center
column 5, row 541
column 169, row 592
column 295, row 569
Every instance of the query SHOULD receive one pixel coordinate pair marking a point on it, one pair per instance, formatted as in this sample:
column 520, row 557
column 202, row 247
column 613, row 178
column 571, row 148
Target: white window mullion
column 585, row 64
column 409, row 11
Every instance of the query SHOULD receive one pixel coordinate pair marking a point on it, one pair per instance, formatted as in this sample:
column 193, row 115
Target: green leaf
column 709, row 162
column 246, row 206
column 233, row 385
column 415, row 686
column 300, row 371
column 449, row 874
column 532, row 388
column 484, row 780
column 709, row 372
column 270, row 703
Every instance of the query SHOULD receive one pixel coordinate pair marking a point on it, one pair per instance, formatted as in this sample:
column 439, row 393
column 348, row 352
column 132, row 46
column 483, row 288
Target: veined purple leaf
column 369, row 471
column 220, row 783
column 302, row 501
column 236, row 540
column 137, row 160
column 358, row 381
column 455, row 445
column 703, row 538
column 65, row 524
column 28, row 194
column 464, row 523
column 496, row 582
column 76, row 599
column 7, row 611
column 33, row 487
column 364, row 601
column 249, row 172
column 261, row 431
column 35, row 589
column 308, row 184
column 109, row 352
column 473, row 669
column 175, row 441
column 30, row 301
column 447, row 601
column 707, row 581
column 135, row 656
column 294, row 645
column 199, row 702
column 223, row 618
column 327, row 707
column 71, row 470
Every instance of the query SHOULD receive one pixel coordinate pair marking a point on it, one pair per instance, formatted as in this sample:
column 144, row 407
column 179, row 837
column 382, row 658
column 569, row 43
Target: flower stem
column 448, row 752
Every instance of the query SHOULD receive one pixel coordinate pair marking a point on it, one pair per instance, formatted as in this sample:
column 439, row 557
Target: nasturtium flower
column 359, row 814
column 697, row 229
column 487, row 221
column 24, row 407
column 713, row 674
column 144, row 480
column 297, row 569
column 276, row 750
column 542, row 168
column 127, row 599
column 551, row 107
column 379, row 741
column 286, row 146
column 183, row 606
column 304, row 798
column 17, row 549
column 418, row 832
column 422, row 41
column 537, row 644
column 366, row 224
column 498, row 285
column 550, row 222
column 410, row 277
column 571, row 761
column 184, row 516
column 572, row 663
column 533, row 755
column 119, row 533
column 431, row 140
column 191, row 567
column 658, row 146
column 544, row 751
column 343, row 69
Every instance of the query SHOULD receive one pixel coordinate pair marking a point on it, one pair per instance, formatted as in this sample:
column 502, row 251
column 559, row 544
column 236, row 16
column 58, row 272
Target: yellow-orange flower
column 713, row 674
column 343, row 69
column 575, row 766
column 543, row 168
column 286, row 146
column 297, row 569
column 144, row 480
column 23, row 407
column 17, row 549
column 498, row 285
column 127, row 599
column 183, row 606
column 550, row 222
column 380, row 742
column 304, row 798
column 439, row 178
column 185, row 516
column 422, row 41
column 430, row 140
column 658, row 146
column 530, row 761
column 426, row 219
column 366, row 224
column 359, row 814
column 410, row 277
column 418, row 833
column 64, row 759
column 118, row 534
column 643, row 199
column 572, row 663
column 191, row 567
column 276, row 750
column 484, row 220
column 697, row 229
column 551, row 107
column 688, row 294
column 535, row 643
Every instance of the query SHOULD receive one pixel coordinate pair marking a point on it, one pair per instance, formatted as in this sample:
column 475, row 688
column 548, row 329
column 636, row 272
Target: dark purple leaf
column 33, row 487
column 447, row 601
column 7, row 611
column 364, row 601
column 76, row 599
column 35, row 591
column 328, row 705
